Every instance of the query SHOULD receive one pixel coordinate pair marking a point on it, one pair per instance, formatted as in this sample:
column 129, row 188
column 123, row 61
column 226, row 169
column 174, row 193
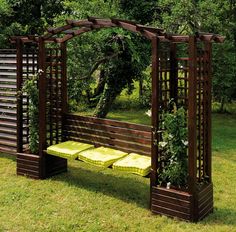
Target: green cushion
column 68, row 149
column 134, row 163
column 101, row 156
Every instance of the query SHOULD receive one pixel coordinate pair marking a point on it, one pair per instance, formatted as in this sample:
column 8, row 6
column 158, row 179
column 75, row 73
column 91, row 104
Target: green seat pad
column 102, row 156
column 68, row 149
column 134, row 163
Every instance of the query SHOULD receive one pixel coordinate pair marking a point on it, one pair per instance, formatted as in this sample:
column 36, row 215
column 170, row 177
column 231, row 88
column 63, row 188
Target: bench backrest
column 128, row 137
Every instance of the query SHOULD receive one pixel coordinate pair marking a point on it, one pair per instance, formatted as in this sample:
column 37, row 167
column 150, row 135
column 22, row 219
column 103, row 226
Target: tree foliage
column 24, row 17
column 185, row 17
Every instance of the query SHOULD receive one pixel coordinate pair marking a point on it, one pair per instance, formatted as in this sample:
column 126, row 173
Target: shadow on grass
column 129, row 190
column 221, row 216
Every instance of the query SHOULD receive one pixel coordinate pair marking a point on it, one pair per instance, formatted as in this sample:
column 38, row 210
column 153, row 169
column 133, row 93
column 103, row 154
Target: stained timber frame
column 189, row 84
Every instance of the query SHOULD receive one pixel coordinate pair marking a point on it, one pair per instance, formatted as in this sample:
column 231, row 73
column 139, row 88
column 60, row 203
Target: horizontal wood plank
column 125, row 136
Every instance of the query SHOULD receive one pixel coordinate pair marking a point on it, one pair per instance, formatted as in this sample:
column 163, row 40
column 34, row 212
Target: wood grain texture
column 180, row 204
column 127, row 137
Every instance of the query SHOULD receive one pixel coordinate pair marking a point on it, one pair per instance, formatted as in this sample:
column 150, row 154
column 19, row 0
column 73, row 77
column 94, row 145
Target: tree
column 141, row 11
column 219, row 17
column 120, row 71
column 112, row 67
column 24, row 17
column 224, row 81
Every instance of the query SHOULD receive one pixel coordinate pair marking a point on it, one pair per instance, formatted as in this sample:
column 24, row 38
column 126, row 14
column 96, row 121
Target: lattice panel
column 29, row 68
column 54, row 103
column 202, row 112
column 174, row 83
column 164, row 93
column 182, row 83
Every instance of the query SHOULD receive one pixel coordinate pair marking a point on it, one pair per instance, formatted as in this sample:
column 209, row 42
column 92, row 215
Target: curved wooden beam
column 97, row 23
column 93, row 23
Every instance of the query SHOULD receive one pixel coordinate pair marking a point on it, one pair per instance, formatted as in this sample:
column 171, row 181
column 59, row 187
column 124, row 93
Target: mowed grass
column 89, row 198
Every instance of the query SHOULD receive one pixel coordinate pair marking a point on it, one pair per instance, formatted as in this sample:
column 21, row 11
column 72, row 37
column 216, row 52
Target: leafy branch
column 31, row 88
column 174, row 147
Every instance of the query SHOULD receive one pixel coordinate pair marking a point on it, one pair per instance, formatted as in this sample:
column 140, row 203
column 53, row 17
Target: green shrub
column 174, row 147
column 31, row 88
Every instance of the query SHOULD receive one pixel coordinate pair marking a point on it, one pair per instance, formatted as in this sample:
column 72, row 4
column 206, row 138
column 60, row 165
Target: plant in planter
column 174, row 148
column 30, row 87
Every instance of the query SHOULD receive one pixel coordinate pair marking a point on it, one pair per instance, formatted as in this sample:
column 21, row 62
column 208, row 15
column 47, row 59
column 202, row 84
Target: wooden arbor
column 181, row 70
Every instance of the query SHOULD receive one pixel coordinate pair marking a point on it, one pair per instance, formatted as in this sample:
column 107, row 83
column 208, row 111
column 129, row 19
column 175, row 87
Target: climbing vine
column 174, row 147
column 30, row 87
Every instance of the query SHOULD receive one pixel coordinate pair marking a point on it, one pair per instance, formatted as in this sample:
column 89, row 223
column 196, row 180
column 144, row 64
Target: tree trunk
column 93, row 98
column 105, row 102
column 222, row 105
column 101, row 83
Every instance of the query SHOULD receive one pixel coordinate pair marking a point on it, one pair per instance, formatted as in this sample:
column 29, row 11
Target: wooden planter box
column 36, row 167
column 182, row 205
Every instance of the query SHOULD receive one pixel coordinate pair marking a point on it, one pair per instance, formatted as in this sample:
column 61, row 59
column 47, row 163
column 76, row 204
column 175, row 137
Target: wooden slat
column 171, row 205
column 107, row 141
column 109, row 134
column 169, row 199
column 170, row 212
column 27, row 171
column 7, row 130
column 7, row 150
column 109, row 122
column 108, row 128
column 97, row 144
column 105, row 132
column 26, row 166
column 28, row 157
column 172, row 193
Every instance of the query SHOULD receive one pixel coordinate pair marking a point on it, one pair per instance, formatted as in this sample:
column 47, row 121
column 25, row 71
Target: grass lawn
column 89, row 198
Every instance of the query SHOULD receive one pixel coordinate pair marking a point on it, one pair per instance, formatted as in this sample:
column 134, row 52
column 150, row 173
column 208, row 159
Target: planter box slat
column 172, row 193
column 169, row 212
column 171, row 199
column 180, row 204
column 175, row 207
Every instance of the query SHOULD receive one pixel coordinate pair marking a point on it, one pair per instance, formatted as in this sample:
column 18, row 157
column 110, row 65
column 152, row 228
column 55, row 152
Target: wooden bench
column 128, row 137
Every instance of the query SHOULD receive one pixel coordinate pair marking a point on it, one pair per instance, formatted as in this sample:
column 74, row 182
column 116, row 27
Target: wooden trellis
column 181, row 70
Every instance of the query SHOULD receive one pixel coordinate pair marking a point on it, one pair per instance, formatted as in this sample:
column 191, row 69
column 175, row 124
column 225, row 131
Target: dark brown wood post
column 173, row 73
column 19, row 74
column 42, row 104
column 192, row 117
column 64, row 96
column 208, row 50
column 155, row 109
column 64, row 78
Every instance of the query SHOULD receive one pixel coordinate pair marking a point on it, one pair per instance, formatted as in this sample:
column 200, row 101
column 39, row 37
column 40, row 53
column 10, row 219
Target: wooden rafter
column 74, row 28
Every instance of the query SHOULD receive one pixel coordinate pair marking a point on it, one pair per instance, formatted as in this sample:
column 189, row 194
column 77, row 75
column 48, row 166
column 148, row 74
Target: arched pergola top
column 185, row 77
column 77, row 27
column 74, row 28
